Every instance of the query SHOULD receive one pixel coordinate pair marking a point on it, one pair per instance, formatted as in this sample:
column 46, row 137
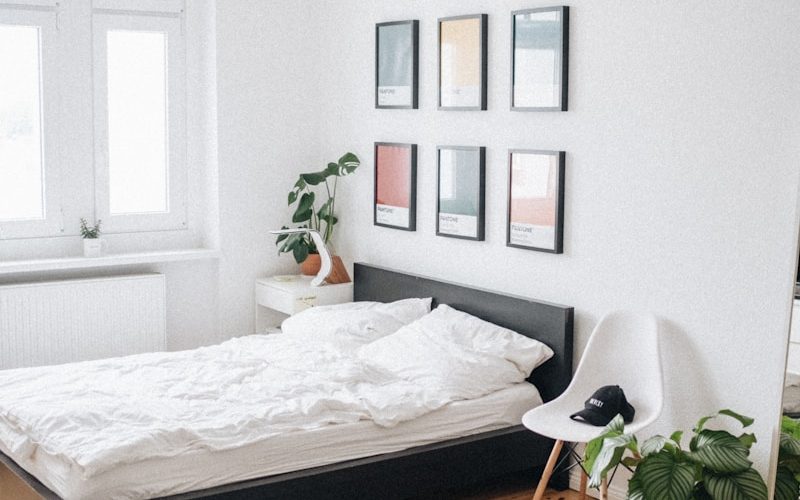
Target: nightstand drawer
column 292, row 294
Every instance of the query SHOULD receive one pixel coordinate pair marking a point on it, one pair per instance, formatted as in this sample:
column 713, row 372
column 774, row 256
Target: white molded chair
column 623, row 350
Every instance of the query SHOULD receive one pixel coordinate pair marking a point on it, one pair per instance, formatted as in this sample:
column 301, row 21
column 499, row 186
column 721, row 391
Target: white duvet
column 99, row 414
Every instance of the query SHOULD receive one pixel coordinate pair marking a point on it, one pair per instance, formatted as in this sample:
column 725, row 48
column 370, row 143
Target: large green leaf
column 786, row 485
column 281, row 237
column 314, row 178
column 746, row 485
column 745, row 421
column 300, row 253
column 304, row 210
column 720, row 451
column 653, row 445
column 789, row 444
column 663, row 478
column 348, row 163
column 332, row 169
column 609, row 456
column 593, row 447
column 635, row 490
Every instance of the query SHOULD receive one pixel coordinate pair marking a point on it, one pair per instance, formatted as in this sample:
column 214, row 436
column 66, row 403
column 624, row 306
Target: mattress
column 333, row 443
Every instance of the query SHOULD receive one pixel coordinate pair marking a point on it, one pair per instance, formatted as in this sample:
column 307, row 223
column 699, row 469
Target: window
column 121, row 157
column 137, row 122
column 29, row 198
column 139, row 82
column 22, row 175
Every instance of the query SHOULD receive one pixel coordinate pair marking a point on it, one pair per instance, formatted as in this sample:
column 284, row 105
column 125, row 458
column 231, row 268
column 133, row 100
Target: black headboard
column 548, row 323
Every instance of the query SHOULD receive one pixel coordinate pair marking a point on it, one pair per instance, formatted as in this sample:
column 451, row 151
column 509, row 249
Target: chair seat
column 552, row 420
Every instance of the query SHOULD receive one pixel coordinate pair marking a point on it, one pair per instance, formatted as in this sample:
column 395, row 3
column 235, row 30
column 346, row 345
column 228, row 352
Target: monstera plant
column 321, row 218
column 714, row 467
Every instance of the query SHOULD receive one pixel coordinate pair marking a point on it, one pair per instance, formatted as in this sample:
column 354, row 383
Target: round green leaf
column 747, row 485
column 720, row 451
column 662, row 478
column 786, row 485
column 300, row 253
column 789, row 444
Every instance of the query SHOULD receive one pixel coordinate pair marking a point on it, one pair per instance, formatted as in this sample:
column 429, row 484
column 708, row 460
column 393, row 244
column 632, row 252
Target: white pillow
column 459, row 350
column 355, row 323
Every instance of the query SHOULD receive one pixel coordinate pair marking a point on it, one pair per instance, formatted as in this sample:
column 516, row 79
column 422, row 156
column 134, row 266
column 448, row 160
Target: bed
column 459, row 443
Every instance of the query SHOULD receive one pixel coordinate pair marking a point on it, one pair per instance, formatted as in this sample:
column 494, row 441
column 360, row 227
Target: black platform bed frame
column 423, row 470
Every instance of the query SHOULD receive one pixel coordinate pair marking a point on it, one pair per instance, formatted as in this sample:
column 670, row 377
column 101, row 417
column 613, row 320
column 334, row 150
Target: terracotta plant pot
column 310, row 266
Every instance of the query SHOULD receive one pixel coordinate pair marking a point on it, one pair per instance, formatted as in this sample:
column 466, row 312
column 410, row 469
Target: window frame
column 50, row 73
column 176, row 216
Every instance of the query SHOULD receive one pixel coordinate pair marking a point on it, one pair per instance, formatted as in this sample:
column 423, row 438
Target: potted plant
column 787, row 482
column 321, row 218
column 92, row 244
column 714, row 467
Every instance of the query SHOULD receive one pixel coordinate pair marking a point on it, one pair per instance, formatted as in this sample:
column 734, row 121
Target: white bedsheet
column 99, row 415
column 311, row 448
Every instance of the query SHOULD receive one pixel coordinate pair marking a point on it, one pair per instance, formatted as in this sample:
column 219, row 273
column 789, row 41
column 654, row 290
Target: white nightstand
column 279, row 296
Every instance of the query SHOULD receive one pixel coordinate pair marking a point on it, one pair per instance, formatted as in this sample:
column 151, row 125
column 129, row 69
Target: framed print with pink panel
column 396, row 185
column 536, row 200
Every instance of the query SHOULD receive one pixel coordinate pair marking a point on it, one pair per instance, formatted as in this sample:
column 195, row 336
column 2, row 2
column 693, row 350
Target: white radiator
column 76, row 320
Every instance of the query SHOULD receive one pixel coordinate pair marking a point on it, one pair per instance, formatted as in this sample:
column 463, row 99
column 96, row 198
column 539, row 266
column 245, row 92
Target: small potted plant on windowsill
column 93, row 246
column 322, row 219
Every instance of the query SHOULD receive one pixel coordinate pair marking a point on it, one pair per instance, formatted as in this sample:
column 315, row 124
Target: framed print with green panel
column 463, row 44
column 460, row 203
column 397, row 65
column 536, row 200
column 539, row 59
column 396, row 185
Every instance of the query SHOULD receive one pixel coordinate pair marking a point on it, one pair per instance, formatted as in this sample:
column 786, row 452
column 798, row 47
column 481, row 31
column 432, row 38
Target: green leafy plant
column 90, row 232
column 787, row 482
column 306, row 212
column 714, row 467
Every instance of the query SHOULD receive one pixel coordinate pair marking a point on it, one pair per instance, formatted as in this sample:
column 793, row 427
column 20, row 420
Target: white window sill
column 110, row 260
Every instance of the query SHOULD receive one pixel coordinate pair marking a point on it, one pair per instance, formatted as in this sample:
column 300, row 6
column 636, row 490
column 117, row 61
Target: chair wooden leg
column 584, row 480
column 548, row 470
column 604, row 489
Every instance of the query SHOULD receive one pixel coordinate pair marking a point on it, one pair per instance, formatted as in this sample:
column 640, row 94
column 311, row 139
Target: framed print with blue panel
column 397, row 65
column 536, row 200
column 539, row 59
column 460, row 203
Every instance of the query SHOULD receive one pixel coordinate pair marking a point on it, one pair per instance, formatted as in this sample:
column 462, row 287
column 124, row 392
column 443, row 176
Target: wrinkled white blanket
column 99, row 414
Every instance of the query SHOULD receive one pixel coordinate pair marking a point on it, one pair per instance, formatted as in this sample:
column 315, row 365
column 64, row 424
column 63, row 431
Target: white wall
column 267, row 134
column 682, row 141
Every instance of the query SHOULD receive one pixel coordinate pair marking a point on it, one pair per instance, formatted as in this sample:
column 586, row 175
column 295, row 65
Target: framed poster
column 396, row 185
column 463, row 44
column 539, row 59
column 397, row 65
column 461, row 187
column 536, row 200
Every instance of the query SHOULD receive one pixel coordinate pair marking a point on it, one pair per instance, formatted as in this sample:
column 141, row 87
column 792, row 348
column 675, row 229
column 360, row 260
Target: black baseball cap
column 606, row 403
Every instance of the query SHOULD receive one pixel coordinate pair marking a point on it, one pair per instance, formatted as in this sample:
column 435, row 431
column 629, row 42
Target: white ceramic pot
column 94, row 247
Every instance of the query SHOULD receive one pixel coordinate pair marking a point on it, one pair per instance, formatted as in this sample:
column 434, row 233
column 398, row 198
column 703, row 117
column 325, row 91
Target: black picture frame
column 563, row 71
column 412, row 195
column 414, row 98
column 558, row 236
column 480, row 189
column 481, row 105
